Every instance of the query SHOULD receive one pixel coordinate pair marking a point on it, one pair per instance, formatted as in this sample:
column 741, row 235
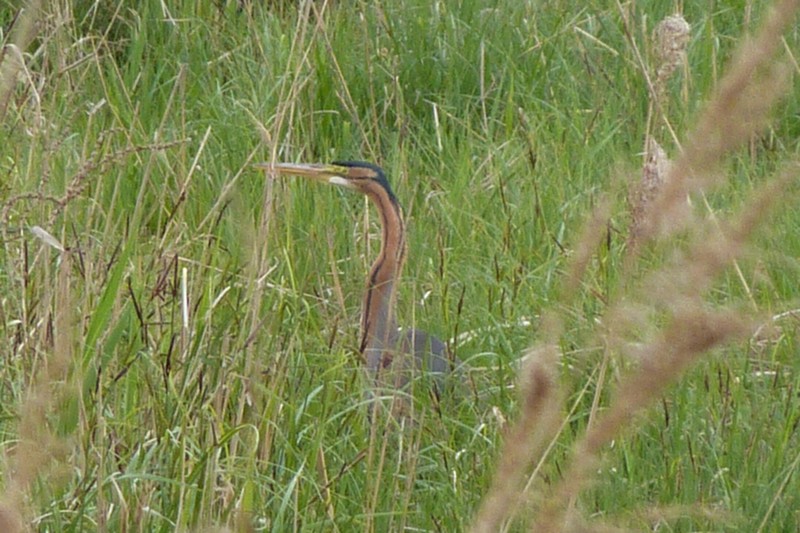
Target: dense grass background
column 209, row 315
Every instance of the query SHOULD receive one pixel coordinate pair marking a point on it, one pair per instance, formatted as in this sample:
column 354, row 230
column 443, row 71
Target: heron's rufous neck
column 378, row 320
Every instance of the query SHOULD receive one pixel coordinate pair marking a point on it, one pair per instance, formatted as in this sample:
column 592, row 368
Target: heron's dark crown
column 377, row 176
column 361, row 164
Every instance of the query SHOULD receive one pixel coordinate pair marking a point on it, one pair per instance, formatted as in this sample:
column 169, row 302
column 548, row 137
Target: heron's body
column 392, row 356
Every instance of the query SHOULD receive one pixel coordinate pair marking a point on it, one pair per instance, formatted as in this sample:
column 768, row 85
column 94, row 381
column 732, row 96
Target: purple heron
column 392, row 355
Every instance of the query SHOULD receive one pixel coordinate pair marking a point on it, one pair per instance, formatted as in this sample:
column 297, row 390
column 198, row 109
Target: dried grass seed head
column 671, row 39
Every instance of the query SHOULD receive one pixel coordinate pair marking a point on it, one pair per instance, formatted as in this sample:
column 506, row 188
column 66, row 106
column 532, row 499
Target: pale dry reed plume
column 671, row 39
column 644, row 193
column 11, row 60
column 739, row 108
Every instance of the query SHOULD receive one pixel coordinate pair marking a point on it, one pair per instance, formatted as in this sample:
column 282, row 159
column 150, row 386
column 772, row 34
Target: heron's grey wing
column 429, row 352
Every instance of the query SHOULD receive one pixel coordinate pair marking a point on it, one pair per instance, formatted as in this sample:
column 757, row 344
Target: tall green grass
column 192, row 361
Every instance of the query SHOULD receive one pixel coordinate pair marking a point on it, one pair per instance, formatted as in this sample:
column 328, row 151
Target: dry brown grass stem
column 715, row 248
column 591, row 234
column 526, row 439
column 38, row 446
column 739, row 108
column 691, row 334
column 693, row 330
column 594, row 230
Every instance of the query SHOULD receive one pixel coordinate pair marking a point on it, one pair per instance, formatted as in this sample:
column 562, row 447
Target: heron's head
column 357, row 175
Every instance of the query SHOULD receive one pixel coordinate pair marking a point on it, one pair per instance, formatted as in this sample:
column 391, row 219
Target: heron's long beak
column 328, row 173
